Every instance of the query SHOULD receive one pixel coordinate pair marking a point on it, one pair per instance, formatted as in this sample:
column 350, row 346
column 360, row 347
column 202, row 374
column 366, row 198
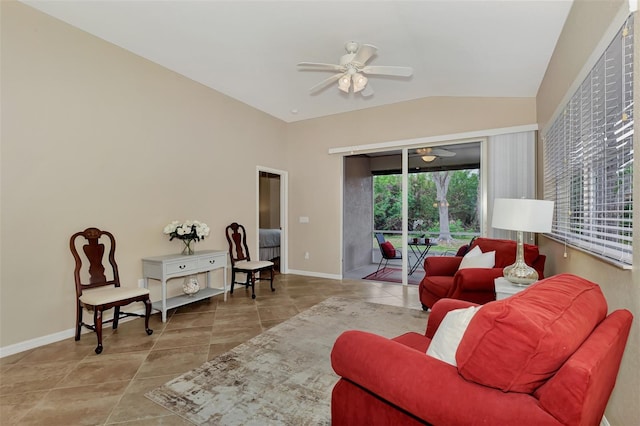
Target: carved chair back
column 90, row 271
column 237, row 239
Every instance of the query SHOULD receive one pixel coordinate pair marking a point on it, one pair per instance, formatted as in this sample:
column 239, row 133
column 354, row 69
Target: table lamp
column 522, row 215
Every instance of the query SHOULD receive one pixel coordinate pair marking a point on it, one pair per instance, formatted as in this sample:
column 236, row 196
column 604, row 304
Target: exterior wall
column 357, row 213
column 586, row 24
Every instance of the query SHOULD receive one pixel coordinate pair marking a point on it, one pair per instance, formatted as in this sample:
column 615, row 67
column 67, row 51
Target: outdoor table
column 420, row 251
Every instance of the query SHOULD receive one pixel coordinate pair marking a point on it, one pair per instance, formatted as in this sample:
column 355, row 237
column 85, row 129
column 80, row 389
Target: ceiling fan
column 351, row 69
column 430, row 154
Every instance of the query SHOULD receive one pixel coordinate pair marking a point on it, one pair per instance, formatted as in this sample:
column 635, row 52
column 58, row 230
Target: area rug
column 394, row 275
column 284, row 375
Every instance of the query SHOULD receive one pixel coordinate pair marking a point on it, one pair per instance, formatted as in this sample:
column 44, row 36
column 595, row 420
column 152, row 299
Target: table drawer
column 214, row 260
column 183, row 265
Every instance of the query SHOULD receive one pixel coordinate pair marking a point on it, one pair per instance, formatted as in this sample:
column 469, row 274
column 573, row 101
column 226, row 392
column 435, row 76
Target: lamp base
column 520, row 274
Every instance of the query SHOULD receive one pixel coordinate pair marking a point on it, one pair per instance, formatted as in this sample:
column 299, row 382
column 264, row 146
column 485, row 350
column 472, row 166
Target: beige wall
column 585, row 27
column 315, row 186
column 93, row 135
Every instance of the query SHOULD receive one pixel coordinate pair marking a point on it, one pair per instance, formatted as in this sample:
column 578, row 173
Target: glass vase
column 188, row 247
column 190, row 285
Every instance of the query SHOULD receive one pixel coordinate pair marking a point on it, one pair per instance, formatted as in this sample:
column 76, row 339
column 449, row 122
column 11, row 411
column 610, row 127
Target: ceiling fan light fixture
column 344, row 82
column 359, row 82
column 428, row 158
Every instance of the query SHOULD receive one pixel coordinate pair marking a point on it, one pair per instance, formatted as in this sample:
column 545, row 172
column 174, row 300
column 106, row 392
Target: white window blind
column 588, row 157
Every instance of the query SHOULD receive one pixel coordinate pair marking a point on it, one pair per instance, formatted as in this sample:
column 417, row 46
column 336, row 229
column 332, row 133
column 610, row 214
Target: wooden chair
column 95, row 291
column 241, row 260
column 387, row 252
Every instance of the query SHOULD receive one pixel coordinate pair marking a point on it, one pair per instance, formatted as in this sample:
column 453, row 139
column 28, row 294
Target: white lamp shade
column 344, row 82
column 359, row 82
column 521, row 214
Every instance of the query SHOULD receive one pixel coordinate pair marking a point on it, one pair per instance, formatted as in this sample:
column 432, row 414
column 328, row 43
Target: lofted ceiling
column 248, row 50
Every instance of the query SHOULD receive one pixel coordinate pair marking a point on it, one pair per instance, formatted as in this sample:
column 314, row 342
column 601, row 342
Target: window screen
column 588, row 157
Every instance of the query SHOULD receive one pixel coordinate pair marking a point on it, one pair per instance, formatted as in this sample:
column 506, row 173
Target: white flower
column 189, row 229
column 171, row 227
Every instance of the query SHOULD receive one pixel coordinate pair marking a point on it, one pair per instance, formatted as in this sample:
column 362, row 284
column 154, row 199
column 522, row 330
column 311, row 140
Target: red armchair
column 559, row 367
column 443, row 279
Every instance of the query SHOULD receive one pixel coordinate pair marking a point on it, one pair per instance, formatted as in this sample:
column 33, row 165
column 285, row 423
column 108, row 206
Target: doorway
column 272, row 216
column 373, row 195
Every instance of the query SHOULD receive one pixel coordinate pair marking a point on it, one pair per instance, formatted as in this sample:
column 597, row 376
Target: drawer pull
column 212, row 261
column 182, row 266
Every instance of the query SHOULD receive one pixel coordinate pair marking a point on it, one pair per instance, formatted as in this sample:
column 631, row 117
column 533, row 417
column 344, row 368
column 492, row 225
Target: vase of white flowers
column 188, row 232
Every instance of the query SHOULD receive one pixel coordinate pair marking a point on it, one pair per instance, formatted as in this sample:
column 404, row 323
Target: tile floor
column 66, row 383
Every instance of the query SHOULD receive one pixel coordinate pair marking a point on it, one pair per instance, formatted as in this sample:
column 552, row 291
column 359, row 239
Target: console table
column 163, row 268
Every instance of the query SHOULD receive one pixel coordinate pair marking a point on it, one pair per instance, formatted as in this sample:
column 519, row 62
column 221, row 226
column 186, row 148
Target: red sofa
column 443, row 279
column 548, row 355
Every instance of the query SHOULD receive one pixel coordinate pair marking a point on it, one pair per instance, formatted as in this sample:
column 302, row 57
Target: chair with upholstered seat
column 387, row 252
column 241, row 260
column 98, row 292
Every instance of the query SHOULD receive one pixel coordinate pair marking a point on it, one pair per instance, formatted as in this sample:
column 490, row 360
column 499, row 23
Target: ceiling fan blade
column 439, row 152
column 367, row 91
column 384, row 70
column 364, row 53
column 318, row 66
column 324, row 83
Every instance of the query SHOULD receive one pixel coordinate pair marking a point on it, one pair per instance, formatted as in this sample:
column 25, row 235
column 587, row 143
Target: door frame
column 284, row 221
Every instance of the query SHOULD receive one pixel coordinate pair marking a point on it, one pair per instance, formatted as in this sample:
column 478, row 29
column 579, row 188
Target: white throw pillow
column 484, row 260
column 445, row 341
column 476, row 251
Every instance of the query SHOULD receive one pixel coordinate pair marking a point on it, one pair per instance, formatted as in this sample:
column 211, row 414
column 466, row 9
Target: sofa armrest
column 426, row 387
column 538, row 265
column 441, row 266
column 440, row 309
column 475, row 279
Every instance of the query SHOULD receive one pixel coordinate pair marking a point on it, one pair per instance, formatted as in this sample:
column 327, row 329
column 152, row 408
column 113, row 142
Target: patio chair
column 387, row 251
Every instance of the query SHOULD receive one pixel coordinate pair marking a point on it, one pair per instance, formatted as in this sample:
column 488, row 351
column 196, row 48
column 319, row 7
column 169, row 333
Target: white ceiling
column 248, row 50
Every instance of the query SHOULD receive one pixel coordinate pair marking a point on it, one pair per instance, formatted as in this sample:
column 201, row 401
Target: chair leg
column 253, row 285
column 78, row 320
column 97, row 324
column 271, row 280
column 147, row 314
column 116, row 317
column 380, row 263
column 233, row 280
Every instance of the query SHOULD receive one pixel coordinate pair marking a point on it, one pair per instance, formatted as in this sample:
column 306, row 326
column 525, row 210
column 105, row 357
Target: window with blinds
column 588, row 157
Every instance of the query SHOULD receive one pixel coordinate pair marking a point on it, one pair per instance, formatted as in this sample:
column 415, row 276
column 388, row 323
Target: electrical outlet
column 306, row 255
column 141, row 283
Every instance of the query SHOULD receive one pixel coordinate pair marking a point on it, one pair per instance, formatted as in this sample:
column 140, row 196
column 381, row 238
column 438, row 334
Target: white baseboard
column 37, row 342
column 51, row 338
column 61, row 335
column 314, row 274
column 604, row 422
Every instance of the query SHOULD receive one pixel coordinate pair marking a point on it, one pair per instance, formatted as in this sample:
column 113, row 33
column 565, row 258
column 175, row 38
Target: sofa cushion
column 517, row 343
column 506, row 251
column 481, row 260
column 388, row 249
column 445, row 341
